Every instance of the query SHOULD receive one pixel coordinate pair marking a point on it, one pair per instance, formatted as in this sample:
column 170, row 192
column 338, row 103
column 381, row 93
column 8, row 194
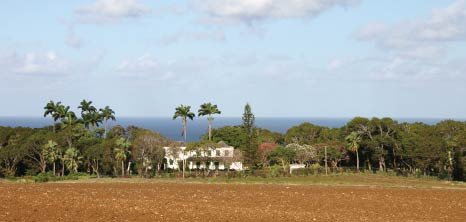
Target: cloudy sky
column 304, row 58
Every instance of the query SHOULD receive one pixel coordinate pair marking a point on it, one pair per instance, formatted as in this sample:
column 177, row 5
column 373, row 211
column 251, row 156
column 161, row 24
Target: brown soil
column 225, row 202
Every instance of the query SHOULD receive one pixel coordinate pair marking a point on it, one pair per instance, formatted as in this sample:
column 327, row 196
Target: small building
column 221, row 157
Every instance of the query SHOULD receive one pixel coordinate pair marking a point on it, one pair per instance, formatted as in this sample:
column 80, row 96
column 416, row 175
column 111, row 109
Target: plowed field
column 226, row 202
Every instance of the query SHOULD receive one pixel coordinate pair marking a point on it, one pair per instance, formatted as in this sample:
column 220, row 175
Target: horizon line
column 296, row 117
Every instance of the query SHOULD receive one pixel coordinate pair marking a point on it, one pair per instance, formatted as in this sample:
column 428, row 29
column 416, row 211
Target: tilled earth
column 225, row 202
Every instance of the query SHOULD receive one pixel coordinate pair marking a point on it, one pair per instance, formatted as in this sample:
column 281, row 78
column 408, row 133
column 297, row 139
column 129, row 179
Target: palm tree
column 121, row 152
column 107, row 114
column 51, row 153
column 51, row 109
column 89, row 114
column 69, row 118
column 207, row 109
column 62, row 111
column 92, row 119
column 72, row 159
column 184, row 113
column 353, row 140
column 86, row 107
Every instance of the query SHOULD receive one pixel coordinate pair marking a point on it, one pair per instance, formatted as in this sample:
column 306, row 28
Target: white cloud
column 44, row 64
column 34, row 63
column 418, row 49
column 442, row 26
column 102, row 11
column 216, row 36
column 251, row 10
column 148, row 67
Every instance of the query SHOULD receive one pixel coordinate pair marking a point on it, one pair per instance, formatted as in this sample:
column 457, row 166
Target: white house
column 210, row 158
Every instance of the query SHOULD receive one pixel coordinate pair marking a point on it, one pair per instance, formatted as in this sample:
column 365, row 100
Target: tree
column 92, row 120
column 336, row 152
column 250, row 146
column 72, row 159
column 51, row 109
column 86, row 107
column 122, row 152
column 263, row 152
column 148, row 150
column 353, row 140
column 384, row 133
column 89, row 114
column 232, row 135
column 305, row 133
column 50, row 152
column 13, row 150
column 184, row 113
column 107, row 114
column 283, row 156
column 69, row 118
column 207, row 109
column 364, row 128
column 304, row 154
column 35, row 145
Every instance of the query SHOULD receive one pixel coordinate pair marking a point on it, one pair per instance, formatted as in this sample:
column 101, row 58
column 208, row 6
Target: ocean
column 198, row 126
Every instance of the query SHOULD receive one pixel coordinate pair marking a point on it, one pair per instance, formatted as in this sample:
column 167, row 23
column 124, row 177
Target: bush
column 44, row 177
column 316, row 168
column 275, row 171
column 49, row 177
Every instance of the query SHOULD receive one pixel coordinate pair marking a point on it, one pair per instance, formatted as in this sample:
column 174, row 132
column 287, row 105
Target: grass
column 370, row 180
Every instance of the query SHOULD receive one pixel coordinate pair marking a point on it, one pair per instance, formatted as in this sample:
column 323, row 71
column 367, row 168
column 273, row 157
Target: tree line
column 375, row 145
column 86, row 143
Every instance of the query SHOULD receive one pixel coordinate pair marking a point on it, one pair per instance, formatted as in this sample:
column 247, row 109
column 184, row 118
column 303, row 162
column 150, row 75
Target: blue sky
column 312, row 58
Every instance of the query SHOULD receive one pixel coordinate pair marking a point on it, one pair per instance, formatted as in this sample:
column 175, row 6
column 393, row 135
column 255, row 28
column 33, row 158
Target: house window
column 227, row 153
column 211, row 153
column 217, row 164
column 198, row 165
column 217, row 152
column 171, row 162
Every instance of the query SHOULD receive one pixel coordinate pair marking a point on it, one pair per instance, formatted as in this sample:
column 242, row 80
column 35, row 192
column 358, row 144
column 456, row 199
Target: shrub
column 275, row 171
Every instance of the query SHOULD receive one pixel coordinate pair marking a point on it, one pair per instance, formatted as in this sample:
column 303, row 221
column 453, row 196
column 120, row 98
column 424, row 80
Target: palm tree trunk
column 122, row 168
column 357, row 161
column 105, row 130
column 210, row 128
column 54, row 168
column 184, row 164
column 185, row 129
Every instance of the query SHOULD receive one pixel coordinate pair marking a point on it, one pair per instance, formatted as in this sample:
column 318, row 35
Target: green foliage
column 306, row 133
column 380, row 143
column 184, row 112
column 232, row 135
column 250, row 143
column 282, row 156
column 72, row 159
column 148, row 151
column 49, row 177
column 207, row 109
column 275, row 171
column 203, row 145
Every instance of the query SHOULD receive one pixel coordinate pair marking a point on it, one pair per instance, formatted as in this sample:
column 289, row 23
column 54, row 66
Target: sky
column 287, row 58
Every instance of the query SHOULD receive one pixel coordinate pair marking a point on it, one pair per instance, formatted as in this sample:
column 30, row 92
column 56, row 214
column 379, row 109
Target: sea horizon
column 198, row 127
